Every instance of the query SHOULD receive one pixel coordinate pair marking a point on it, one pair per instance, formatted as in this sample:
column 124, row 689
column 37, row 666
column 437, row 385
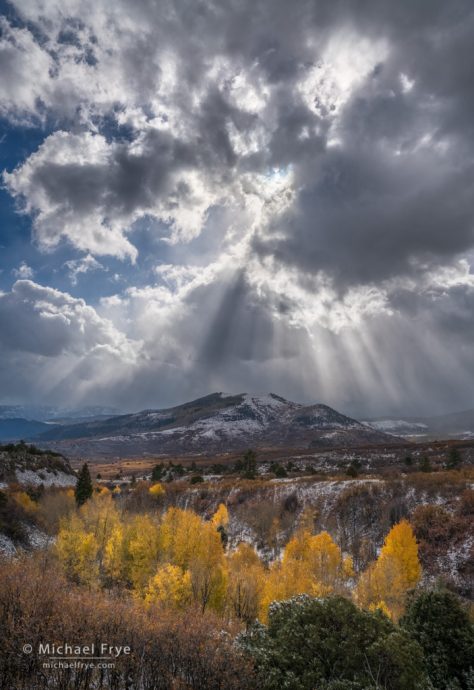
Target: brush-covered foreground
column 162, row 569
column 307, row 643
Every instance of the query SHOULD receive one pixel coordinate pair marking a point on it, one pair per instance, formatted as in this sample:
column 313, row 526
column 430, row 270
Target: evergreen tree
column 156, row 473
column 330, row 644
column 249, row 464
column 425, row 464
column 437, row 621
column 454, row 459
column 84, row 489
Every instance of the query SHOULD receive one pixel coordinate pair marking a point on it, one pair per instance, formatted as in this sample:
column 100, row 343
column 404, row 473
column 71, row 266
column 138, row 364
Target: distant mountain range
column 215, row 423
column 18, row 428
column 43, row 413
column 29, row 421
column 456, row 425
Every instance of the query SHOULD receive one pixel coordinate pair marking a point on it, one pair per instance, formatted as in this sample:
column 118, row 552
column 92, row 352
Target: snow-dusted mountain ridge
column 216, row 423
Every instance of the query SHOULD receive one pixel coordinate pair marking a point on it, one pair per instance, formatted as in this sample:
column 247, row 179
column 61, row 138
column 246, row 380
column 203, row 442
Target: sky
column 237, row 196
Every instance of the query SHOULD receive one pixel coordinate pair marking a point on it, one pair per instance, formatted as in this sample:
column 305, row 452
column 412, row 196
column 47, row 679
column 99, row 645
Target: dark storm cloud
column 368, row 218
column 385, row 198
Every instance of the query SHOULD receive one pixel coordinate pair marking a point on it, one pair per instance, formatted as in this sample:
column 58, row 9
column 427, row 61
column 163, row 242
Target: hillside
column 455, row 425
column 18, row 428
column 213, row 424
column 28, row 465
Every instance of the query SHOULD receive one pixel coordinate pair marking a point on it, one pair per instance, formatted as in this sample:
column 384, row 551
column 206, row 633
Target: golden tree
column 311, row 564
column 77, row 549
column 220, row 517
column 386, row 582
column 246, row 582
column 141, row 549
column 170, row 587
column 195, row 545
column 208, row 569
column 156, row 490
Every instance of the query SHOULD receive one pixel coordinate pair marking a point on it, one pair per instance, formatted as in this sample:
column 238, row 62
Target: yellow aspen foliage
column 116, row 557
column 208, row 570
column 220, row 517
column 385, row 583
column 318, row 559
column 77, row 550
column 117, row 490
column 281, row 583
column 195, row 545
column 311, row 564
column 157, row 490
column 142, row 550
column 25, row 501
column 348, row 567
column 170, row 587
column 246, row 579
column 179, row 535
column 100, row 517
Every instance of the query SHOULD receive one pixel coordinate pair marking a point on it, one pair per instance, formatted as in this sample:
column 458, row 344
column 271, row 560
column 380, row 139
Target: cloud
column 23, row 271
column 25, row 67
column 77, row 267
column 56, row 347
column 309, row 171
column 48, row 322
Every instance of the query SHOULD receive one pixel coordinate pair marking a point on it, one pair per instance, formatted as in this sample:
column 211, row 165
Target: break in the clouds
column 231, row 196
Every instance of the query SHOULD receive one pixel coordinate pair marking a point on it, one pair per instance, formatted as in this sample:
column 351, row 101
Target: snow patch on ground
column 35, row 478
column 36, row 538
column 387, row 425
column 7, row 547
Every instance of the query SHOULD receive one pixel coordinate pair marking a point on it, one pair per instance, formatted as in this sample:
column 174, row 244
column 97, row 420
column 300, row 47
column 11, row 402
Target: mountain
column 43, row 413
column 215, row 423
column 16, row 428
column 456, row 425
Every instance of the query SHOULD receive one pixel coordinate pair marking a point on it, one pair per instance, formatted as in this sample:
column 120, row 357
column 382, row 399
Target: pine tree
column 84, row 489
column 156, row 473
column 454, row 459
column 425, row 464
column 250, row 464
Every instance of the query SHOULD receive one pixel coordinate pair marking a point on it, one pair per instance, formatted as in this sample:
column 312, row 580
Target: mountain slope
column 215, row 423
column 17, row 428
column 456, row 425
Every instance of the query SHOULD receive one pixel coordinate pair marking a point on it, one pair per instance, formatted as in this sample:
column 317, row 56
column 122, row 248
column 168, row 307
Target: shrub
column 437, row 621
column 188, row 651
column 197, row 479
column 329, row 643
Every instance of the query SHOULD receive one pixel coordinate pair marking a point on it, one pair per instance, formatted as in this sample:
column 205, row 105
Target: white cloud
column 47, row 322
column 23, row 271
column 25, row 67
column 77, row 267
